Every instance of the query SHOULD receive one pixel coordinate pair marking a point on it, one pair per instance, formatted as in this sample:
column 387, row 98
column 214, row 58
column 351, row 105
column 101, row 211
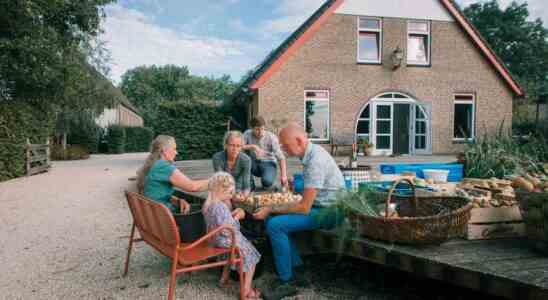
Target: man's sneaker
column 279, row 290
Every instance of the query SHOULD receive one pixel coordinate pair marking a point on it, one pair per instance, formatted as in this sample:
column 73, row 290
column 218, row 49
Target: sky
column 211, row 37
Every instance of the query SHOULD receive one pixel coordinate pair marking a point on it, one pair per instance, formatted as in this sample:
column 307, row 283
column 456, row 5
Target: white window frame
column 428, row 35
column 369, row 30
column 363, row 135
column 473, row 102
column 328, row 113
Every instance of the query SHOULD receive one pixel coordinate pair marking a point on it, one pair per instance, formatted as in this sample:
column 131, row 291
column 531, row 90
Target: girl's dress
column 218, row 214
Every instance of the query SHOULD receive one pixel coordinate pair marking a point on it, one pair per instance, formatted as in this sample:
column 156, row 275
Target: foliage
column 521, row 44
column 116, row 139
column 197, row 127
column 501, row 155
column 73, row 152
column 82, row 130
column 148, row 86
column 138, row 139
column 19, row 122
column 42, row 46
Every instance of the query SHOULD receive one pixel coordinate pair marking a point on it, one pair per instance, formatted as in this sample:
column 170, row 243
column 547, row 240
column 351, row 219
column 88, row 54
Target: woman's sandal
column 254, row 293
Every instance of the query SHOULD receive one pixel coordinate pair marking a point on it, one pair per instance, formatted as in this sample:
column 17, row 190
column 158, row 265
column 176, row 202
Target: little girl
column 217, row 213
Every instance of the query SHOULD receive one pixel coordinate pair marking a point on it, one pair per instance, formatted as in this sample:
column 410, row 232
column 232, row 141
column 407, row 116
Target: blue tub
column 402, row 189
column 455, row 169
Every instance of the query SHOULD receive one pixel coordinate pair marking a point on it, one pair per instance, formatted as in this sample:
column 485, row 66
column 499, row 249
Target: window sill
column 412, row 65
column 369, row 63
column 462, row 141
column 324, row 142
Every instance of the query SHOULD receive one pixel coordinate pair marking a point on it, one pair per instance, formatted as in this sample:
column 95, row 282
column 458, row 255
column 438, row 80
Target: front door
column 401, row 128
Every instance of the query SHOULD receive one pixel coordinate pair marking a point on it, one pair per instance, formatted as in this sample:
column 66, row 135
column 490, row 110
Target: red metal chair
column 157, row 228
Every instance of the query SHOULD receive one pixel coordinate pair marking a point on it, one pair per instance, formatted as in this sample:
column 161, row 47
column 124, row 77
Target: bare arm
column 283, row 172
column 181, row 181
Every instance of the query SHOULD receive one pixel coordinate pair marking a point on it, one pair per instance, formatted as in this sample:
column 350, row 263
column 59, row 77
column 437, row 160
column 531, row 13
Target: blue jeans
column 279, row 228
column 266, row 170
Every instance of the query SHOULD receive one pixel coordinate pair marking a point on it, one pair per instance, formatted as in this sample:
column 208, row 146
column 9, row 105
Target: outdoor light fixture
column 396, row 57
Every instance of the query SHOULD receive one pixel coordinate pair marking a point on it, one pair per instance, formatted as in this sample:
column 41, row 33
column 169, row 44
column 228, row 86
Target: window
column 369, row 40
column 316, row 115
column 463, row 127
column 364, row 125
column 418, row 43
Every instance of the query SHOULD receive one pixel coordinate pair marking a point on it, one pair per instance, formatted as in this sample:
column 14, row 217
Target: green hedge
column 85, row 132
column 197, row 127
column 138, row 139
column 116, row 139
column 19, row 121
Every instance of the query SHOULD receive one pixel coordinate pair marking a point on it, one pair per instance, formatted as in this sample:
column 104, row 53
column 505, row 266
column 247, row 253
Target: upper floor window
column 316, row 114
column 463, row 127
column 369, row 40
column 418, row 43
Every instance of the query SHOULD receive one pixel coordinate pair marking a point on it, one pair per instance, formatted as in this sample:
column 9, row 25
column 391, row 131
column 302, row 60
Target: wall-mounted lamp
column 396, row 57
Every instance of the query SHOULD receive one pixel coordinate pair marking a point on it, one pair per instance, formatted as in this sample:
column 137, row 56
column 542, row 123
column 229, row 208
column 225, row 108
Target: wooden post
column 48, row 153
column 27, row 155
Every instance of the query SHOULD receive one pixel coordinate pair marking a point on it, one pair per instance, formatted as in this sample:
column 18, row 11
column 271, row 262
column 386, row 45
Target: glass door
column 420, row 130
column 384, row 115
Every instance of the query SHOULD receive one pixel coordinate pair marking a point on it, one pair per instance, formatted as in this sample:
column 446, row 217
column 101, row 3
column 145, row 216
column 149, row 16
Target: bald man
column 322, row 180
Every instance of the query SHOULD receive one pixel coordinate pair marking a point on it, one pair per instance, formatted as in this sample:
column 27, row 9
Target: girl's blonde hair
column 160, row 143
column 220, row 181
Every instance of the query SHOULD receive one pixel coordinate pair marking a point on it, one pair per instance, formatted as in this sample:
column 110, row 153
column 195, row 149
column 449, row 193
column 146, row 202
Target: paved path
column 63, row 235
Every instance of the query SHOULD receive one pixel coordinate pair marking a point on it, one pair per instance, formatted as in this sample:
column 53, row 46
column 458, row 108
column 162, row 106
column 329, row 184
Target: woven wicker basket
column 422, row 220
column 536, row 227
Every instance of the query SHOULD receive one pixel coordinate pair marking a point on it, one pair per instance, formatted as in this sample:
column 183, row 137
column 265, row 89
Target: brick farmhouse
column 410, row 77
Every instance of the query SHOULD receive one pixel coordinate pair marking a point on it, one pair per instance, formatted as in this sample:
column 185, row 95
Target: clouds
column 291, row 14
column 134, row 39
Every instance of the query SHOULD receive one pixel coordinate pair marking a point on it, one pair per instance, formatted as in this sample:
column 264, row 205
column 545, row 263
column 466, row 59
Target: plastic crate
column 455, row 169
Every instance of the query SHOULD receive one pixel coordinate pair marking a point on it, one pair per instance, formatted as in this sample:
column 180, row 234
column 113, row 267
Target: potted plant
column 367, row 147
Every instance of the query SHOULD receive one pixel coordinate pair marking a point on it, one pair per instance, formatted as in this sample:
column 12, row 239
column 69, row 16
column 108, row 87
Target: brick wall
column 328, row 61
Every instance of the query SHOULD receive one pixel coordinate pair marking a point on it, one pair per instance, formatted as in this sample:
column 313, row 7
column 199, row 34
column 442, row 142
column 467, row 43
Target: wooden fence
column 38, row 158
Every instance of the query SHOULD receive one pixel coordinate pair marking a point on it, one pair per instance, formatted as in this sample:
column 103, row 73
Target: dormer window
column 418, row 43
column 369, row 40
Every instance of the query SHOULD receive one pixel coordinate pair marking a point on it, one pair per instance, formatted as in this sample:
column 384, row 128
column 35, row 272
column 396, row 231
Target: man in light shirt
column 265, row 153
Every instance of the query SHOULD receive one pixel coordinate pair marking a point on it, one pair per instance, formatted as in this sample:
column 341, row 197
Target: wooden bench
column 340, row 141
column 158, row 229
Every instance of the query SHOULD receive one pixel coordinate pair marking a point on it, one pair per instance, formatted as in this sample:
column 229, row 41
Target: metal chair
column 158, row 229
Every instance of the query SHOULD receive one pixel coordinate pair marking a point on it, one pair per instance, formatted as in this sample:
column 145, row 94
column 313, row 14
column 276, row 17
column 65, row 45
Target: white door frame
column 390, row 101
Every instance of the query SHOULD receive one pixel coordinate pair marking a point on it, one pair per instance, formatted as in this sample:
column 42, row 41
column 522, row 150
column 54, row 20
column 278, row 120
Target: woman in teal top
column 158, row 177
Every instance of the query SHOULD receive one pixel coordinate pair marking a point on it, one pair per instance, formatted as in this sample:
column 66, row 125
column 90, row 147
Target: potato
column 520, row 182
column 535, row 181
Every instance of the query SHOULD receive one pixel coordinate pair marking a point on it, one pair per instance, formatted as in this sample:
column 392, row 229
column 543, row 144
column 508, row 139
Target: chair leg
column 242, row 276
column 172, row 281
column 129, row 248
column 224, row 275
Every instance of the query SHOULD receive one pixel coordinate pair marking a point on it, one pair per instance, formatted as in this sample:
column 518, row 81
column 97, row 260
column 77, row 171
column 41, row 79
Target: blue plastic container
column 455, row 169
column 298, row 182
column 402, row 189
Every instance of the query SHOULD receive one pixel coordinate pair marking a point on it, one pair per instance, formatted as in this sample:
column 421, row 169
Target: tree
column 521, row 44
column 41, row 46
column 149, row 86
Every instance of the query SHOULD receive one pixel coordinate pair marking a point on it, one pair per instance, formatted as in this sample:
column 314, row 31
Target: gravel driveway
column 64, row 236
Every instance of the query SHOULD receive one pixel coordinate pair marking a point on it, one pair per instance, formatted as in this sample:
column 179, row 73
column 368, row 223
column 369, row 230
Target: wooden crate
column 495, row 222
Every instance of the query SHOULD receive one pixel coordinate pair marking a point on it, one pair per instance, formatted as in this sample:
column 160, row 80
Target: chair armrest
column 209, row 235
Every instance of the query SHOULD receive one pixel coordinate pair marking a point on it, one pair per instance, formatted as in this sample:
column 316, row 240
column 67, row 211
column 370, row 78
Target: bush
column 138, row 139
column 20, row 121
column 116, row 139
column 197, row 127
column 84, row 131
column 73, row 152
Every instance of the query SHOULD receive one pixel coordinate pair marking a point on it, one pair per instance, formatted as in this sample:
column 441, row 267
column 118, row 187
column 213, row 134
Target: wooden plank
column 38, row 158
column 495, row 231
column 495, row 214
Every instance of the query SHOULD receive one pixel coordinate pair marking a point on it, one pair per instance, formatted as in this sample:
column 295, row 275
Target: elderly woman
column 233, row 161
column 158, row 176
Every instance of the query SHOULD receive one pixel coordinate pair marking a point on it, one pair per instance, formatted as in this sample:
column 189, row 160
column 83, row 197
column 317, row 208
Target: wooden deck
column 507, row 267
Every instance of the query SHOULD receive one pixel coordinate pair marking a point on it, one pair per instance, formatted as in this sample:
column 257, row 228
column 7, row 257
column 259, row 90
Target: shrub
column 20, row 121
column 138, row 139
column 73, row 152
column 197, row 127
column 84, row 131
column 116, row 139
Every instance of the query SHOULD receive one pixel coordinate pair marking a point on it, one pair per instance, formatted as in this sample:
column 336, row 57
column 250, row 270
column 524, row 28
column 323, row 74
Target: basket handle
column 393, row 188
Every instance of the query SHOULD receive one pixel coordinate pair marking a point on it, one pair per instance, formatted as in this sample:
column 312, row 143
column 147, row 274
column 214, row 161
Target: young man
column 322, row 180
column 264, row 150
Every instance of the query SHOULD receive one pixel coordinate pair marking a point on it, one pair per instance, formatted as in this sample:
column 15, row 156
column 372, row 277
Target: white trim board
column 405, row 9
